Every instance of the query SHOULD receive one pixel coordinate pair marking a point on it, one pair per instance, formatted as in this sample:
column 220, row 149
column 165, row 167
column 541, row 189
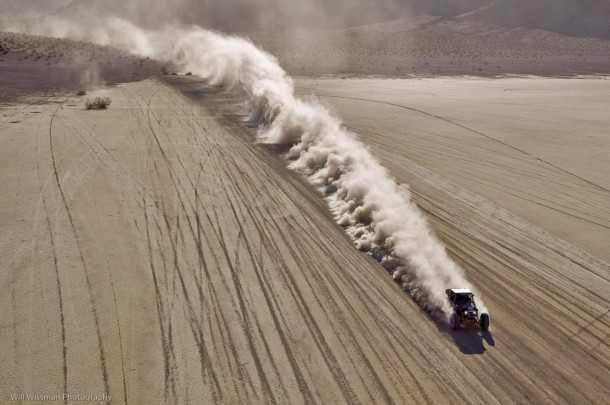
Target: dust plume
column 376, row 212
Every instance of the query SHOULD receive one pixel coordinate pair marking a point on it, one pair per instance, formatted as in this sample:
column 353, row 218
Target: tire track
column 196, row 327
column 93, row 310
column 58, row 284
column 185, row 212
column 121, row 172
column 474, row 131
column 239, row 194
column 568, row 210
column 246, row 325
column 165, row 348
column 272, row 306
column 60, row 295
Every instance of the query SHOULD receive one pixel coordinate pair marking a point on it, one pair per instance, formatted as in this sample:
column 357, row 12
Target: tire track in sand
column 92, row 307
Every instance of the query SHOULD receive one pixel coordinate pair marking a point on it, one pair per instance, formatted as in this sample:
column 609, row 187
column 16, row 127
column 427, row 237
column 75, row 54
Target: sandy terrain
column 513, row 175
column 536, row 147
column 153, row 252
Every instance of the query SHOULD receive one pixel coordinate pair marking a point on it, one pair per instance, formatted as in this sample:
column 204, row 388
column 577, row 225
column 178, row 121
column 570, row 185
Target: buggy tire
column 484, row 322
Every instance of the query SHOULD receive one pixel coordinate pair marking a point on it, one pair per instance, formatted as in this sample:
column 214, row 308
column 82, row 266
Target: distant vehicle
column 465, row 312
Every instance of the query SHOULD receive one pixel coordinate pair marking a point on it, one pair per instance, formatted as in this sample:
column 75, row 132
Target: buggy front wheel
column 484, row 322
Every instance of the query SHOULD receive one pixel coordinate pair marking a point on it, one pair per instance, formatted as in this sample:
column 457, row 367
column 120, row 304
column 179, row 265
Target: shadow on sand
column 471, row 341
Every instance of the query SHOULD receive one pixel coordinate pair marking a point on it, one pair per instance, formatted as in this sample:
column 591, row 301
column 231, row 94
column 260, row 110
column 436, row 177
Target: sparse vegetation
column 81, row 93
column 98, row 103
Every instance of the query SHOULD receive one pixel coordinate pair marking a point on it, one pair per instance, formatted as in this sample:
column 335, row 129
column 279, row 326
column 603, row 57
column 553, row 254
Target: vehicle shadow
column 472, row 341
column 469, row 341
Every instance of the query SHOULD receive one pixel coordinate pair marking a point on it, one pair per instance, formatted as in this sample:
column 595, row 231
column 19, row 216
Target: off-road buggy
column 465, row 312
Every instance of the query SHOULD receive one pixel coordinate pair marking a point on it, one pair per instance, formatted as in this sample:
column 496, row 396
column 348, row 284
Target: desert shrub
column 98, row 103
column 81, row 93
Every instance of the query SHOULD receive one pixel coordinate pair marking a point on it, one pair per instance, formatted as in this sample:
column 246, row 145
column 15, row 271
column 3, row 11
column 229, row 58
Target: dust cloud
column 376, row 212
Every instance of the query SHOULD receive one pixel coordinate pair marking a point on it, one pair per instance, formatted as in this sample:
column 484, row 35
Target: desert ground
column 155, row 253
column 536, row 147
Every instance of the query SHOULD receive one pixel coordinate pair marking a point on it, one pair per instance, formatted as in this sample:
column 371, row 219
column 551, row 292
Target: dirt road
column 152, row 252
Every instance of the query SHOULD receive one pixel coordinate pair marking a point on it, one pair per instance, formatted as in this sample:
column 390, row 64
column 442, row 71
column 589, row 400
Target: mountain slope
column 588, row 18
column 577, row 18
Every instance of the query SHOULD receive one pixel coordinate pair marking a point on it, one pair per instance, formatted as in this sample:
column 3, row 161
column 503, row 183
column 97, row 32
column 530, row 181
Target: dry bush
column 98, row 103
column 81, row 93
